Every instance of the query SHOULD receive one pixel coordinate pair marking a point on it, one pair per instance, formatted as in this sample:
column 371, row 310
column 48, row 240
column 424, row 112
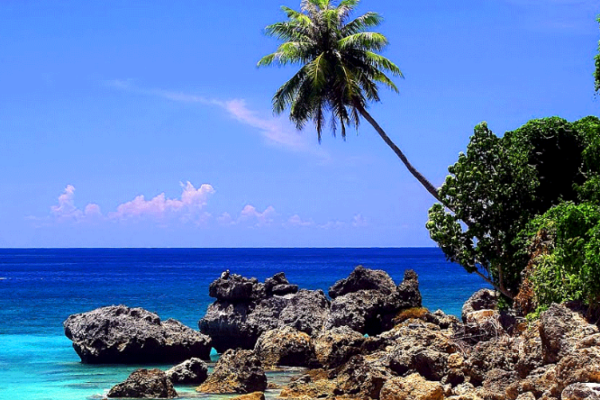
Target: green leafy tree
column 340, row 69
column 597, row 73
column 571, row 269
column 498, row 186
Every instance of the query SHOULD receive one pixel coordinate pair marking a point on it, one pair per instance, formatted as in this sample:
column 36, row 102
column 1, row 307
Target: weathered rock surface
column 285, row 346
column 123, row 335
column 363, row 279
column 245, row 309
column 561, row 330
column 235, row 288
column 368, row 300
column 143, row 383
column 581, row 391
column 336, row 346
column 192, row 371
column 361, row 377
column 484, row 299
column 409, row 295
column 251, row 396
column 237, row 371
column 413, row 387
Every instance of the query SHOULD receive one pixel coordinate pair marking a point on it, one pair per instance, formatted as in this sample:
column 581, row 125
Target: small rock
column 581, row 391
column 193, row 371
column 250, row 396
column 484, row 299
column 237, row 371
column 147, row 384
column 413, row 387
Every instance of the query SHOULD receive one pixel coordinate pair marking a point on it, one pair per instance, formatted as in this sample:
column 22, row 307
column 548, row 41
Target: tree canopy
column 502, row 183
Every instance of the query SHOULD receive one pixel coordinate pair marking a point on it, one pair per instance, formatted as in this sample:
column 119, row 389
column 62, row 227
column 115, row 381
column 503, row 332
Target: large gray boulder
column 367, row 308
column 146, row 384
column 123, row 335
column 271, row 305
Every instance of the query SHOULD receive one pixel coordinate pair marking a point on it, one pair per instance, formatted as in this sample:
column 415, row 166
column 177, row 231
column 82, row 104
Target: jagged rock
column 372, row 310
column 484, row 299
column 362, row 377
column 409, row 295
column 540, row 380
column 147, row 384
column 486, row 356
column 237, row 371
column 363, row 279
column 526, row 396
column 285, row 346
column 314, row 384
column 235, row 288
column 305, row 311
column 367, row 311
column 496, row 382
column 226, row 324
column 190, row 371
column 279, row 285
column 583, row 365
column 413, row 387
column 123, row 335
column 581, row 391
column 529, row 347
column 241, row 322
column 335, row 346
column 560, row 331
column 250, row 396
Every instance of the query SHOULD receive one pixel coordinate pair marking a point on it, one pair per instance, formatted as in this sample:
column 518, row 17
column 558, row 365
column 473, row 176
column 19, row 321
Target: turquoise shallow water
column 42, row 287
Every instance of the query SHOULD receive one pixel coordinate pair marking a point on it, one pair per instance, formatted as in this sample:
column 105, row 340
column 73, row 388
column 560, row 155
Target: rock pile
column 245, row 309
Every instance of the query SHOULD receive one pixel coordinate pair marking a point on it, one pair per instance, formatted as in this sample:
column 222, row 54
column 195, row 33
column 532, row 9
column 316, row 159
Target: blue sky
column 147, row 124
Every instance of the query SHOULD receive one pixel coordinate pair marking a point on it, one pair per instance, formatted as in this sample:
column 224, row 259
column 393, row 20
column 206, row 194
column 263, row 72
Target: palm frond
column 364, row 41
column 379, row 61
column 362, row 23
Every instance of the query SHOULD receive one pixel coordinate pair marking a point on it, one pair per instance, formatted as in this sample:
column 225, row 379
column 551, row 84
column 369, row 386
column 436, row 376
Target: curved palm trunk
column 428, row 186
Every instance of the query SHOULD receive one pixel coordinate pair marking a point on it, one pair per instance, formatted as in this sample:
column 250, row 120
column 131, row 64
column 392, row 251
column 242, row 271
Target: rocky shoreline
column 369, row 339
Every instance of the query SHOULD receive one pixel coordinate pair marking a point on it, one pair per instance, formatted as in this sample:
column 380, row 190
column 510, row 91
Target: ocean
column 40, row 288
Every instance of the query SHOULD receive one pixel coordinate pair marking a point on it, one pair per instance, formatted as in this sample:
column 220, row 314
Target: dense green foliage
column 571, row 270
column 597, row 73
column 340, row 65
column 501, row 184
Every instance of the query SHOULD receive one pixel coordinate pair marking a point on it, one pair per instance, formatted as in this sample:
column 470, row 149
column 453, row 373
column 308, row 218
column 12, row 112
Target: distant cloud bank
column 189, row 208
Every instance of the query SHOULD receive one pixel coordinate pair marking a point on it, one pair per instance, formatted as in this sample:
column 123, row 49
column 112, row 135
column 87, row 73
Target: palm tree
column 340, row 69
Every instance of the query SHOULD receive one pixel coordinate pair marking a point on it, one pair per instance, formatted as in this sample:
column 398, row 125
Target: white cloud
column 251, row 214
column 296, row 220
column 66, row 210
column 192, row 200
column 275, row 131
column 359, row 221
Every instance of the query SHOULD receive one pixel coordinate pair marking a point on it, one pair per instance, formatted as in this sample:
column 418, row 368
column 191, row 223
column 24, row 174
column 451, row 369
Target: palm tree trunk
column 428, row 186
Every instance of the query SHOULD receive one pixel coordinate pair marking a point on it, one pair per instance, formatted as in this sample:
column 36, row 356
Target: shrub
column 499, row 185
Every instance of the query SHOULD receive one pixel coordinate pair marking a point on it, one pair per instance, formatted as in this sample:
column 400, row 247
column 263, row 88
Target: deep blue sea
column 40, row 288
